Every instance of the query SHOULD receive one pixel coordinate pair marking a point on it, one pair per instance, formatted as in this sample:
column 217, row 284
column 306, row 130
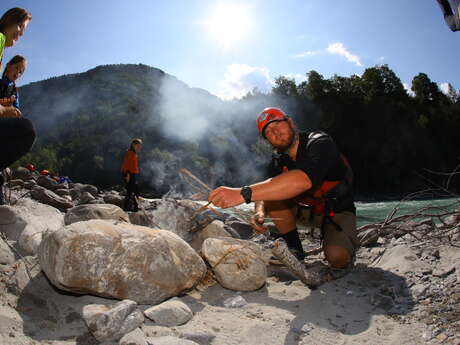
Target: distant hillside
column 396, row 143
column 85, row 122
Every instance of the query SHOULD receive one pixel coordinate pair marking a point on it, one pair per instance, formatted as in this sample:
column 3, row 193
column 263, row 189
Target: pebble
column 235, row 302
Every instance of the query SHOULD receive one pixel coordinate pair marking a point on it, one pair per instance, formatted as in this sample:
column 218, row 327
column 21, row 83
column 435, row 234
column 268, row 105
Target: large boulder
column 26, row 222
column 214, row 230
column 114, row 199
column 48, row 197
column 120, row 260
column 95, row 211
column 183, row 217
column 237, row 264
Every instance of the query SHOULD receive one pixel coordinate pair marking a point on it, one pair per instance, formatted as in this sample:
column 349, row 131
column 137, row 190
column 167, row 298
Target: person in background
column 14, row 69
column 451, row 12
column 17, row 133
column 130, row 170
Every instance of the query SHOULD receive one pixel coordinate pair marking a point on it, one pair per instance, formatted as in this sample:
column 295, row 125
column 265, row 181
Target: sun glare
column 228, row 23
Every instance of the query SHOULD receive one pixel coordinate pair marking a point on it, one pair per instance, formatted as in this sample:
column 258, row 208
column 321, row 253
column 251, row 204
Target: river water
column 373, row 212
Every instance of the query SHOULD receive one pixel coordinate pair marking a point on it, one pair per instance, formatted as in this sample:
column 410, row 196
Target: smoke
column 218, row 140
column 98, row 112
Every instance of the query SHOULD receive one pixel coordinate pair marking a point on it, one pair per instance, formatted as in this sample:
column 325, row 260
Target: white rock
column 136, row 337
column 238, row 264
column 95, row 211
column 26, row 222
column 235, row 302
column 110, row 324
column 120, row 260
column 213, row 230
column 170, row 313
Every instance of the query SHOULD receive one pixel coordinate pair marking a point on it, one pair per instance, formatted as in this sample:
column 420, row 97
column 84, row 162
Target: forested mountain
column 85, row 122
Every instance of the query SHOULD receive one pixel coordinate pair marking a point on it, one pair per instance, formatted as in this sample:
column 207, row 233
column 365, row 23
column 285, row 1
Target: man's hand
column 257, row 222
column 8, row 112
column 225, row 197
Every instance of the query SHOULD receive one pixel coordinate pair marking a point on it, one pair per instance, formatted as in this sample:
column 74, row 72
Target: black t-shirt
column 318, row 156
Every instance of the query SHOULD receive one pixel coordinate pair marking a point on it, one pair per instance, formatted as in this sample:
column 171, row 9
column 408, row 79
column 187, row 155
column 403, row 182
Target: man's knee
column 338, row 257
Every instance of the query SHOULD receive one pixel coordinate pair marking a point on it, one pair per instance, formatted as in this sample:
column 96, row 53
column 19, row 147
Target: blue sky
column 229, row 47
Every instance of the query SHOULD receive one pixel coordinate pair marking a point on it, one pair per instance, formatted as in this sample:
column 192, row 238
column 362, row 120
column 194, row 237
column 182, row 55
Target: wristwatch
column 246, row 193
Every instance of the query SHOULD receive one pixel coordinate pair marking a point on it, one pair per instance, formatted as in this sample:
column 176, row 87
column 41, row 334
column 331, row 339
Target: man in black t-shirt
column 309, row 170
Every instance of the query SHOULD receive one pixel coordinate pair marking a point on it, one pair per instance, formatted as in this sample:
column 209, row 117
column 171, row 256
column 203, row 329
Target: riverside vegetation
column 396, row 143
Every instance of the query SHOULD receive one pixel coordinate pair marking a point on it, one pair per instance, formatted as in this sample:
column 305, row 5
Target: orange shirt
column 130, row 163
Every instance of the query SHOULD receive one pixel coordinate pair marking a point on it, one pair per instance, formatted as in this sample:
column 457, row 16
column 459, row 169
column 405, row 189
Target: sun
column 228, row 23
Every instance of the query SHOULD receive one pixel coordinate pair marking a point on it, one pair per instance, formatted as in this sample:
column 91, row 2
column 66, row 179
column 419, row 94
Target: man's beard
column 289, row 142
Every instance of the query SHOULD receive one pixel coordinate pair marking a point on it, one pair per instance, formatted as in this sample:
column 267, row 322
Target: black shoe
column 300, row 255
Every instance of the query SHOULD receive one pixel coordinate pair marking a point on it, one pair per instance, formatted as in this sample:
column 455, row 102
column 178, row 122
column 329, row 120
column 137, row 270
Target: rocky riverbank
column 77, row 269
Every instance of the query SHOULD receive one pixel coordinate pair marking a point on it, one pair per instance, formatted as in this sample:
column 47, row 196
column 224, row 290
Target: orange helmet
column 267, row 116
column 44, row 172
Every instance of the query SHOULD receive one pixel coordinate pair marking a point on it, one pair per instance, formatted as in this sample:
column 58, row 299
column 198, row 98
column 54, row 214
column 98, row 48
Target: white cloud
column 239, row 79
column 297, row 77
column 444, row 87
column 408, row 90
column 339, row 49
column 308, row 53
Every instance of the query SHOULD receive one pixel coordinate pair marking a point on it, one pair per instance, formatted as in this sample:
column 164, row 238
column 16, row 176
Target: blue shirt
column 8, row 89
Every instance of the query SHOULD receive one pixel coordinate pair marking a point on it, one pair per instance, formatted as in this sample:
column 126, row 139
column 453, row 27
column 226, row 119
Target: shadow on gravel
column 51, row 314
column 346, row 305
column 343, row 306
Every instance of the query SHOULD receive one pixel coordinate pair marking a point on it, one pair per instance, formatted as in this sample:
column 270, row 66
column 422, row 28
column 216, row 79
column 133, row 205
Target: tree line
column 391, row 138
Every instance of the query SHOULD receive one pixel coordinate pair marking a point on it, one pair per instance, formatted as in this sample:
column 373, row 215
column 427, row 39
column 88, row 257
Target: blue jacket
column 8, row 89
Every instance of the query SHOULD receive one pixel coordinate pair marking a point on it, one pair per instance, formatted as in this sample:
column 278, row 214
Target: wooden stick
column 187, row 173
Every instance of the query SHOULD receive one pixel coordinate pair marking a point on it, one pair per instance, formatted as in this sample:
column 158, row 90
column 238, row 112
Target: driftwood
column 278, row 247
column 425, row 224
column 284, row 255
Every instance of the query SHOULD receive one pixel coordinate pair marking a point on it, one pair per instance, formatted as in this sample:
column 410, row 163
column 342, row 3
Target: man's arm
column 282, row 187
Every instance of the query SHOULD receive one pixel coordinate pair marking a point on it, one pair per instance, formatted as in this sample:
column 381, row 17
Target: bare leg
column 284, row 214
